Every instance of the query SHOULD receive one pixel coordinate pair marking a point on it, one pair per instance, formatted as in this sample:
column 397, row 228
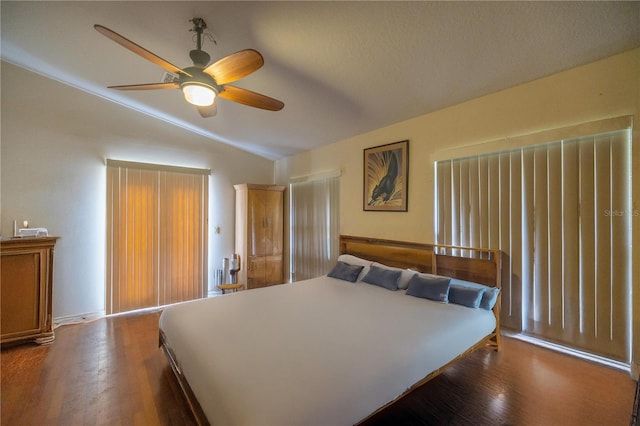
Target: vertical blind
column 314, row 226
column 561, row 212
column 156, row 235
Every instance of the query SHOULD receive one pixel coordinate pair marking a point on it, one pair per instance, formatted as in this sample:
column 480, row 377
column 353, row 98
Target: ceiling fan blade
column 147, row 86
column 235, row 66
column 208, row 111
column 247, row 97
column 139, row 50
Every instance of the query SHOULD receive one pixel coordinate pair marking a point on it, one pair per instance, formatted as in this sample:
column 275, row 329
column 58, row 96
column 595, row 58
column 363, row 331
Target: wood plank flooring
column 112, row 372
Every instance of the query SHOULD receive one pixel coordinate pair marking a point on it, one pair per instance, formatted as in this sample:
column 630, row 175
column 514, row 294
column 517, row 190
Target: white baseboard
column 92, row 316
column 77, row 319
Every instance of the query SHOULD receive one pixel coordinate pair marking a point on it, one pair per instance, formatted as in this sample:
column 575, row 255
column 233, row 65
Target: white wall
column 54, row 141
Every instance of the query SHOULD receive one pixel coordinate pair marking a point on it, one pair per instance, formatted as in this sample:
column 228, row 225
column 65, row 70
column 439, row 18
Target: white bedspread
column 317, row 352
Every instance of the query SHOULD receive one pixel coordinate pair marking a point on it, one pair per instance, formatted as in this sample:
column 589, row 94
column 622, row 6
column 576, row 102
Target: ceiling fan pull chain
column 210, row 37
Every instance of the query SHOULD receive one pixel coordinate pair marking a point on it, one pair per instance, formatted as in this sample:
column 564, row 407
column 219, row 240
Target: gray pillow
column 465, row 296
column 346, row 272
column 429, row 287
column 354, row 260
column 489, row 298
column 383, row 277
column 405, row 274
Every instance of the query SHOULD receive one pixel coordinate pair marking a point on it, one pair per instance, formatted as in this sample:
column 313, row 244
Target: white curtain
column 561, row 212
column 314, row 226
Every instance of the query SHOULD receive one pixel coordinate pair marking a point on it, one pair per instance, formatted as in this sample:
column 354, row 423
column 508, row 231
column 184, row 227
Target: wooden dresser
column 259, row 234
column 26, row 286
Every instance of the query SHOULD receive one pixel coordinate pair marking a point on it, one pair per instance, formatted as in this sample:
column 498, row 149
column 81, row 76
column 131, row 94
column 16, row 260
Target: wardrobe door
column 259, row 234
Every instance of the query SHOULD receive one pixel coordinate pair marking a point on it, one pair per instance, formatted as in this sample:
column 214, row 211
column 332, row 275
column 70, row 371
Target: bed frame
column 482, row 266
column 470, row 264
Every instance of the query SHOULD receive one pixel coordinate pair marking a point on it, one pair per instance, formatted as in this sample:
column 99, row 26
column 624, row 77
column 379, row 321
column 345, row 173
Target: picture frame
column 386, row 177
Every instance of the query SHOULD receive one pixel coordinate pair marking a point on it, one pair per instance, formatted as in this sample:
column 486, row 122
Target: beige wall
column 54, row 143
column 603, row 89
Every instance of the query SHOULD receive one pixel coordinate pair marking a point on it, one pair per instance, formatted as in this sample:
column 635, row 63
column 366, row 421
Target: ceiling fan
column 202, row 83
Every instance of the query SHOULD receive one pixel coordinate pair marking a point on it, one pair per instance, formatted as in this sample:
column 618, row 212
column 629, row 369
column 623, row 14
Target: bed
column 329, row 350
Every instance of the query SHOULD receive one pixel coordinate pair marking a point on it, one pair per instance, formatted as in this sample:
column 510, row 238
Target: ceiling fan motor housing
column 198, row 77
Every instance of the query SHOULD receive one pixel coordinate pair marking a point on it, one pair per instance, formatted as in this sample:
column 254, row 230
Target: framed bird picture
column 386, row 177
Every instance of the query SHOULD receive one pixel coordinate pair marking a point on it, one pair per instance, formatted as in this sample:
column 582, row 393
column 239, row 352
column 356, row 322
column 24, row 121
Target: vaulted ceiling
column 341, row 68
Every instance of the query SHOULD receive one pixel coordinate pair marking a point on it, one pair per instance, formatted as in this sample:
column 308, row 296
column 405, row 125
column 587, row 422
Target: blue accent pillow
column 383, row 277
column 405, row 274
column 489, row 297
column 354, row 260
column 346, row 272
column 429, row 287
column 465, row 296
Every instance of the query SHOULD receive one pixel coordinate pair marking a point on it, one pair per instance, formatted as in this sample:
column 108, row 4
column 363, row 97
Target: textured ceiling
column 341, row 68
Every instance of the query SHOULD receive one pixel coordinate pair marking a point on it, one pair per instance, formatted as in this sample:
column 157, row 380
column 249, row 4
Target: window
column 156, row 235
column 561, row 212
column 314, row 225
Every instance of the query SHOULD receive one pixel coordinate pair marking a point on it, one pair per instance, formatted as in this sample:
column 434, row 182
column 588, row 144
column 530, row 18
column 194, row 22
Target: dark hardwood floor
column 112, row 372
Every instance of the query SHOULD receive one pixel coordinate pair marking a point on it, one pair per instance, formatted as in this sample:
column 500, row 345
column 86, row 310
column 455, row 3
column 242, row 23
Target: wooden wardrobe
column 259, row 234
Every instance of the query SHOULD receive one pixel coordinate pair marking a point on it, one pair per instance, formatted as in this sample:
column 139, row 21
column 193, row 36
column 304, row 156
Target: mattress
column 317, row 352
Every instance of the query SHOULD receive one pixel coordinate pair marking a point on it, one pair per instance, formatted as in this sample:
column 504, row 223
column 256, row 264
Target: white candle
column 25, row 223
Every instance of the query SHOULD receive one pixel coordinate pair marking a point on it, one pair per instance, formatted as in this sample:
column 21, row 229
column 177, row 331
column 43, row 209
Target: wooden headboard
column 400, row 254
column 470, row 264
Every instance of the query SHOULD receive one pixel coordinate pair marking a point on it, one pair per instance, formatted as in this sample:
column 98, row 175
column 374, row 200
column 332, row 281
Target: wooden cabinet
column 259, row 234
column 26, row 284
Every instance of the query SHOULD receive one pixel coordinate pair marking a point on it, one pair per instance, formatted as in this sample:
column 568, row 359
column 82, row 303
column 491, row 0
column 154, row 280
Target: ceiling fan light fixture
column 199, row 94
